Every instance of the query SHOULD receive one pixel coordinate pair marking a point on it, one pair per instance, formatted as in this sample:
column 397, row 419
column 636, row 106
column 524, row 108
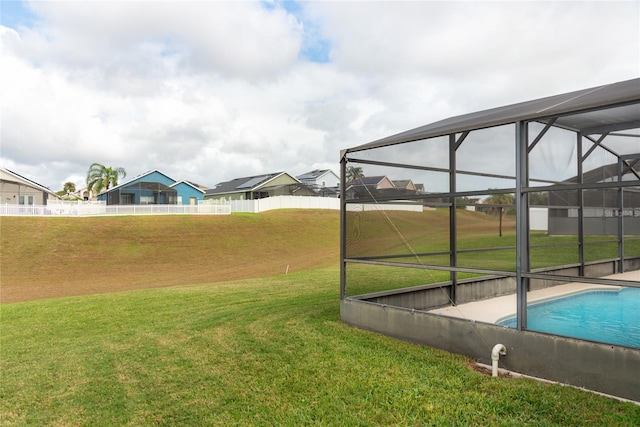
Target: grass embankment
column 53, row 257
column 260, row 351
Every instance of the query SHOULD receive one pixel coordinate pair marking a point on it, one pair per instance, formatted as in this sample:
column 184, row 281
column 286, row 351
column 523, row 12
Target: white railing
column 82, row 208
column 100, row 208
column 539, row 219
column 361, row 207
column 284, row 202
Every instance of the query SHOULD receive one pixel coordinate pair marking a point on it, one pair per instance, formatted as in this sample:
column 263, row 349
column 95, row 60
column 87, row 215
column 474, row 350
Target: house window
column 25, row 200
column 126, row 199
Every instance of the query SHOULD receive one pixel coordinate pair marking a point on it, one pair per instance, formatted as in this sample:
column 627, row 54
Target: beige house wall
column 10, row 192
column 281, row 180
column 385, row 183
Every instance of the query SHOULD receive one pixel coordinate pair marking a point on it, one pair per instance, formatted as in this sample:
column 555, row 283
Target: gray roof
column 588, row 111
column 35, row 184
column 127, row 183
column 190, row 184
column 313, row 174
column 367, row 180
column 247, row 183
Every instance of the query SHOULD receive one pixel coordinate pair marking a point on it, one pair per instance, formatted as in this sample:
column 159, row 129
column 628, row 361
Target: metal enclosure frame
column 593, row 115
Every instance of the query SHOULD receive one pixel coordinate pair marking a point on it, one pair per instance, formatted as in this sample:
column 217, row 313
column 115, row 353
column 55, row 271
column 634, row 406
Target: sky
column 208, row 91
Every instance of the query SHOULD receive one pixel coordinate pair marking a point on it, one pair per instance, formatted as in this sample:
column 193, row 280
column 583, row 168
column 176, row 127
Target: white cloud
column 231, row 39
column 208, row 91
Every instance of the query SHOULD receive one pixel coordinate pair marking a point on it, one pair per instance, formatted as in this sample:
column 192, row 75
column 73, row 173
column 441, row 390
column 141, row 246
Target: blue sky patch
column 15, row 14
column 315, row 47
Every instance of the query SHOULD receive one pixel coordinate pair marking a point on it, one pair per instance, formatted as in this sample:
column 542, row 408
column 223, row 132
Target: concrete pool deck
column 494, row 309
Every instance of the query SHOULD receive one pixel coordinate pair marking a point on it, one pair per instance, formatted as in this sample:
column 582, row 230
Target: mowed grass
column 267, row 351
column 53, row 257
column 255, row 351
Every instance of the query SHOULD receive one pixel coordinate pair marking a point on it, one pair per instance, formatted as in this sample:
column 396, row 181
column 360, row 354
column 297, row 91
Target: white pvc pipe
column 498, row 350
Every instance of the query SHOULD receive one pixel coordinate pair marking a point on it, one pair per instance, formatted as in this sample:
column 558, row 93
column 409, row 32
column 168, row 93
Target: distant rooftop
column 246, row 183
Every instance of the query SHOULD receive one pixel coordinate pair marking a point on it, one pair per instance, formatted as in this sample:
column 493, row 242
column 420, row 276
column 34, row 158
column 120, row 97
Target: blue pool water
column 606, row 316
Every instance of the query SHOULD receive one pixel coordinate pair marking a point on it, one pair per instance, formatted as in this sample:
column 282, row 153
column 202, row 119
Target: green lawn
column 267, row 351
column 93, row 332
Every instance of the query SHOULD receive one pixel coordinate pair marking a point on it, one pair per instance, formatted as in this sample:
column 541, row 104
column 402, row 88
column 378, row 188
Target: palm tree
column 354, row 172
column 69, row 187
column 499, row 202
column 101, row 177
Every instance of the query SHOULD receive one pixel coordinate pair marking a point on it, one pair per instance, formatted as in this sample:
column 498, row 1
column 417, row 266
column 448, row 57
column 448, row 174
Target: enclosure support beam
column 631, row 165
column 453, row 249
column 343, row 228
column 620, row 219
column 522, row 223
column 580, row 161
column 596, row 143
column 542, row 133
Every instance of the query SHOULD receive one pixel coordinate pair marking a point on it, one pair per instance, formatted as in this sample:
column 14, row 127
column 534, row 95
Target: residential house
column 15, row 189
column 368, row 186
column 189, row 193
column 407, row 184
column 602, row 208
column 153, row 188
column 381, row 187
column 259, row 187
column 320, row 178
column 84, row 194
column 323, row 181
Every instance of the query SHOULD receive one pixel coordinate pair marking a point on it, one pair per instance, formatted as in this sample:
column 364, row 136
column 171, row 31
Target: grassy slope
column 54, row 257
column 51, row 257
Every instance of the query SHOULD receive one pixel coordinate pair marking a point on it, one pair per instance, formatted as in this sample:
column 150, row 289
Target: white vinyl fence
column 539, row 219
column 284, row 202
column 361, row 207
column 81, row 208
column 538, row 216
column 101, row 208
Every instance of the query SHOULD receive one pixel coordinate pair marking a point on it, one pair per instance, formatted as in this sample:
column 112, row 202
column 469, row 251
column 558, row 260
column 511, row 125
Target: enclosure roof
column 588, row 111
column 129, row 182
column 150, row 185
column 605, row 173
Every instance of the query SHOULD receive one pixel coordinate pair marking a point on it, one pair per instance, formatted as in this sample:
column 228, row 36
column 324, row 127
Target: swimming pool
column 603, row 315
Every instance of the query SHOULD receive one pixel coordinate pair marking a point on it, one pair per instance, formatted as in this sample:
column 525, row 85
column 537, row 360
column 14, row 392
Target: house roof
column 124, row 184
column 596, row 110
column 401, row 183
column 28, row 181
column 247, row 183
column 314, row 174
column 190, row 184
column 368, row 180
column 195, row 184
